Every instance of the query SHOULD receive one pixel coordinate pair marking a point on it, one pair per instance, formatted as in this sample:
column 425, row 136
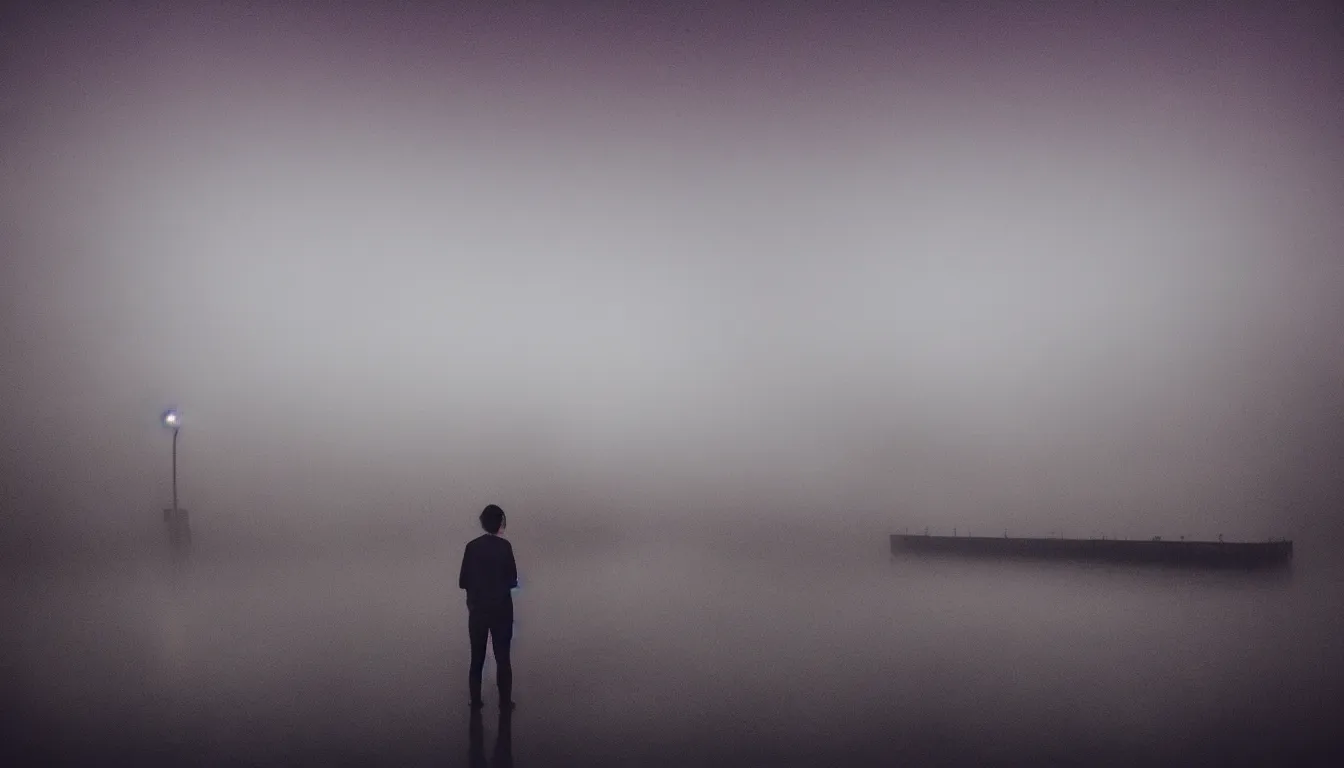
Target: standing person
column 488, row 574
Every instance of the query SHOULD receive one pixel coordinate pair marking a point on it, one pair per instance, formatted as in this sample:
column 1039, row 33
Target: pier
column 1208, row 554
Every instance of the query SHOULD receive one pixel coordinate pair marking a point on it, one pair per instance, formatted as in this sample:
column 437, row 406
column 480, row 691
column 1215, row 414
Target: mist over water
column 711, row 301
column 1081, row 275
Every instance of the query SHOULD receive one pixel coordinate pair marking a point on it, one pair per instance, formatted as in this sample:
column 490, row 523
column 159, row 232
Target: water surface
column 658, row 653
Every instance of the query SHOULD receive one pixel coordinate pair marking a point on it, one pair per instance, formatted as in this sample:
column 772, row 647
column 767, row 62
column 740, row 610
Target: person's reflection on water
column 504, row 741
column 503, row 757
column 476, row 741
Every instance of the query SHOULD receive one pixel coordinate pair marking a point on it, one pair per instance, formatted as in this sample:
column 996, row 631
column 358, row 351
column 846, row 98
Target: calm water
column 678, row 655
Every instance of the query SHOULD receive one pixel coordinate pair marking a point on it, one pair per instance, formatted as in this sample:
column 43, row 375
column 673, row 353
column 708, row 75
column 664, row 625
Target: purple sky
column 1031, row 267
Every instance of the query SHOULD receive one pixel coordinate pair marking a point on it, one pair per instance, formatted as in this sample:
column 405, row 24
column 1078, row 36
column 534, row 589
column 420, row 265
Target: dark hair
column 492, row 517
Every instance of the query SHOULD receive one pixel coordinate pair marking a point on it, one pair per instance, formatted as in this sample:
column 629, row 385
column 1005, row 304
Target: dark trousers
column 498, row 626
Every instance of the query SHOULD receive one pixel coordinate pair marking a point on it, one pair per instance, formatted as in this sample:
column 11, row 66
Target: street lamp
column 173, row 421
column 179, row 534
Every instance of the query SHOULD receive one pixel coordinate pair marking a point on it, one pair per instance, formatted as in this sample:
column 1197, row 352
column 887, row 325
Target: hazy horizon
column 1037, row 270
column 710, row 300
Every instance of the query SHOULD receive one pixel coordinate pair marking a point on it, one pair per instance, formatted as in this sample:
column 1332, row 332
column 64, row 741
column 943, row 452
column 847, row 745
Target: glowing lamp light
column 171, row 419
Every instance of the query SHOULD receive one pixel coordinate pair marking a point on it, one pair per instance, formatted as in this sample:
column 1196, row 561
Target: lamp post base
column 179, row 530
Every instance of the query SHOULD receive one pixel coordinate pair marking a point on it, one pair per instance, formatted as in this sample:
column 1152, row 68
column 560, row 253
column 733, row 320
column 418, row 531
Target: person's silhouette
column 488, row 574
column 503, row 757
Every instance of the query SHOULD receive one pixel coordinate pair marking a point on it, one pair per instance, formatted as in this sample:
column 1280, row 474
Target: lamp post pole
column 177, row 528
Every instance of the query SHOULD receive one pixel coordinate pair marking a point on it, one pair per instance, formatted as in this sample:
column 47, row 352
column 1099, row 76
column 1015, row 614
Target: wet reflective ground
column 675, row 655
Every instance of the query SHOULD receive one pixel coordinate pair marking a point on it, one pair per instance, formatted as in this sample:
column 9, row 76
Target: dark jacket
column 488, row 573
